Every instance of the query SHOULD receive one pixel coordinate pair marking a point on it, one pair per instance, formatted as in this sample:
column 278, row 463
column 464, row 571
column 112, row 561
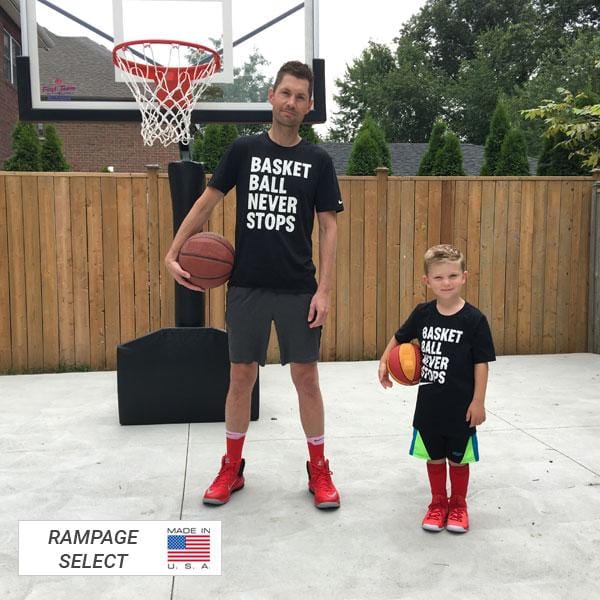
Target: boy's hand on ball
column 384, row 377
column 475, row 413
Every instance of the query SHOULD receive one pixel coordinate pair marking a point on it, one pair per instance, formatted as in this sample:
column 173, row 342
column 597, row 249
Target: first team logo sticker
column 119, row 548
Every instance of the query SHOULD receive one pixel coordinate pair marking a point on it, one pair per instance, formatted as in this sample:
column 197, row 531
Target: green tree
column 212, row 148
column 229, row 133
column 383, row 154
column 364, row 157
column 52, row 158
column 448, row 159
column 308, row 133
column 197, row 148
column 556, row 160
column 499, row 127
column 26, row 149
column 513, row 155
column 436, row 141
column 578, row 119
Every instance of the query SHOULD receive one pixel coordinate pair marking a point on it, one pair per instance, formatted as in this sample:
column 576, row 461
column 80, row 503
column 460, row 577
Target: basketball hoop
column 165, row 85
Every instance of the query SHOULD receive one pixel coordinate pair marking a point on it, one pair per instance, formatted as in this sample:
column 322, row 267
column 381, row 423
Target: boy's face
column 290, row 101
column 445, row 279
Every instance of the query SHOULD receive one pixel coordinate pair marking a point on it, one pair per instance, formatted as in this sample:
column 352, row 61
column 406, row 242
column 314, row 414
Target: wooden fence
column 81, row 265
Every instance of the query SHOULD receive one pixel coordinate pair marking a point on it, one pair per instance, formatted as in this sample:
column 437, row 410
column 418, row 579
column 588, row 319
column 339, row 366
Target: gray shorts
column 249, row 313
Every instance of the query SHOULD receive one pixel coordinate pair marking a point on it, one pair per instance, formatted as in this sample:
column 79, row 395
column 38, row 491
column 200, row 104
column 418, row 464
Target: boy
column 456, row 345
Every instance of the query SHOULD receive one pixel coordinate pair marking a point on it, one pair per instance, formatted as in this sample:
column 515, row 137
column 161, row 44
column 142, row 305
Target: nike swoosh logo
column 426, row 383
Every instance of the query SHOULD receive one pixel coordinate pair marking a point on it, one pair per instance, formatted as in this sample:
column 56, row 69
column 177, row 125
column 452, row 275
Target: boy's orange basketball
column 404, row 363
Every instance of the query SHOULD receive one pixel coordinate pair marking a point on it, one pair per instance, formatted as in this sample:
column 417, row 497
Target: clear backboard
column 66, row 70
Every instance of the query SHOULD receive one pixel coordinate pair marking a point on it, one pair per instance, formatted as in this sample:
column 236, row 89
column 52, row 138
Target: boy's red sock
column 437, row 479
column 316, row 449
column 235, row 445
column 459, row 480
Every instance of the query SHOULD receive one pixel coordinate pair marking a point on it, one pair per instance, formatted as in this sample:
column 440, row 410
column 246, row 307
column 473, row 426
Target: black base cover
column 175, row 375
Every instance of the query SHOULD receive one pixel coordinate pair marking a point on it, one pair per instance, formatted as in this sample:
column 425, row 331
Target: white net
column 166, row 78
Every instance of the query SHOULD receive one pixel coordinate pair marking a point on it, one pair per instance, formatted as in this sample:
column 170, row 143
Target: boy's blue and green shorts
column 461, row 448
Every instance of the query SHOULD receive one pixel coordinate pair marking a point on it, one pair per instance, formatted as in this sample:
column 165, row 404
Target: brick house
column 87, row 146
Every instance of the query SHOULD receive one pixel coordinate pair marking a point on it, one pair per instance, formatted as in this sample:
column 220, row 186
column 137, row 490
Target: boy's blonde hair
column 443, row 253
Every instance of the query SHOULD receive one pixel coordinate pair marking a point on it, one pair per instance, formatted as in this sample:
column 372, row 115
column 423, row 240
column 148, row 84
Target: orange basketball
column 208, row 258
column 404, row 363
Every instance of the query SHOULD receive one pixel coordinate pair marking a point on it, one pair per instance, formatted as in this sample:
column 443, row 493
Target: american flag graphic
column 188, row 548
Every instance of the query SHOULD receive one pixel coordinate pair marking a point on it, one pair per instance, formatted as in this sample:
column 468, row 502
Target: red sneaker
column 229, row 480
column 458, row 517
column 437, row 512
column 320, row 484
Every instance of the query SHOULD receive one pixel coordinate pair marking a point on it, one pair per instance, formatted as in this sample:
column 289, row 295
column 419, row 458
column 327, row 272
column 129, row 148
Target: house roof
column 406, row 157
column 12, row 9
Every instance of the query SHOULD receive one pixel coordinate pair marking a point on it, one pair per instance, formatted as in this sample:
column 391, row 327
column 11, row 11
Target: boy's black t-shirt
column 278, row 189
column 450, row 347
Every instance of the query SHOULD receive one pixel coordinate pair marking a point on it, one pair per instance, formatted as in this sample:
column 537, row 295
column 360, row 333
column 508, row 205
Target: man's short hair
column 297, row 69
column 443, row 253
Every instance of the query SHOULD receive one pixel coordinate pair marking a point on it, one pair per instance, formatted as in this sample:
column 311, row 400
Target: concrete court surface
column 534, row 500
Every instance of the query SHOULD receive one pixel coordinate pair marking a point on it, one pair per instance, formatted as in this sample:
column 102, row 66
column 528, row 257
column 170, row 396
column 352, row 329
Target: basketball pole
column 187, row 181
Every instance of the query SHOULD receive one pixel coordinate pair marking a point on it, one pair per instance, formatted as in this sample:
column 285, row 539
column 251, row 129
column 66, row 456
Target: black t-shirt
column 278, row 190
column 450, row 347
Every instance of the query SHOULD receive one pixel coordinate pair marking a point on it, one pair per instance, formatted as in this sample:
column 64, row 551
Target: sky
column 345, row 28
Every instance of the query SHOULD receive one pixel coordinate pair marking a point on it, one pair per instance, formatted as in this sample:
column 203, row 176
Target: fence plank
column 356, row 289
column 447, row 211
column 486, row 253
column 343, row 275
column 382, row 200
column 551, row 268
column 64, row 264
column 537, row 265
column 33, row 276
column 434, row 218
column 393, row 257
column 577, row 310
column 140, row 253
column 511, row 292
column 499, row 264
column 420, row 244
column 48, row 272
column 583, row 282
column 126, row 259
column 524, row 258
column 81, row 297
column 370, row 276
column 96, row 272
column 5, row 305
column 563, row 294
column 153, row 251
column 407, row 242
column 473, row 243
column 110, row 250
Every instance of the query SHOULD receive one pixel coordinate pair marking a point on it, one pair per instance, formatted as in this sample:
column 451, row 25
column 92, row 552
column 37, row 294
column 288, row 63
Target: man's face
column 290, row 101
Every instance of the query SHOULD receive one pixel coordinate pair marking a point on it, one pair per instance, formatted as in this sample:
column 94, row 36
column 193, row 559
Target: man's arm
column 319, row 306
column 193, row 223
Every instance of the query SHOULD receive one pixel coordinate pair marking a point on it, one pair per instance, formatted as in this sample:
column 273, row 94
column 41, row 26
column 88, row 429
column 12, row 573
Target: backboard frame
column 33, row 108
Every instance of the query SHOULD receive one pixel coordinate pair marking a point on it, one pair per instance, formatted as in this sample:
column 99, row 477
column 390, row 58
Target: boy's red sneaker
column 437, row 512
column 229, row 480
column 458, row 517
column 321, row 485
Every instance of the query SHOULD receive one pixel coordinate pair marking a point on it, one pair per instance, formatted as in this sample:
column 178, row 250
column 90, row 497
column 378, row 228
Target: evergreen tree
column 52, row 158
column 26, row 149
column 364, row 157
column 211, row 147
column 499, row 127
column 555, row 159
column 449, row 159
column 308, row 133
column 436, row 141
column 385, row 159
column 229, row 133
column 513, row 155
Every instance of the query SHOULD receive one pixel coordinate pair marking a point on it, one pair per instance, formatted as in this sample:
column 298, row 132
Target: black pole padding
column 187, row 181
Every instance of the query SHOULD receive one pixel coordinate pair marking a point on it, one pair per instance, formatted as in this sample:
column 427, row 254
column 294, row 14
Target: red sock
column 437, row 478
column 235, row 444
column 459, row 480
column 316, row 449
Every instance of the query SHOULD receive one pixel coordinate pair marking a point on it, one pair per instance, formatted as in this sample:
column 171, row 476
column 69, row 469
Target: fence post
column 382, row 194
column 594, row 285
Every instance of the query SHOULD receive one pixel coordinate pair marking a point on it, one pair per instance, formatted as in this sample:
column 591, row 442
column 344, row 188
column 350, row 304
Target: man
column 281, row 180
